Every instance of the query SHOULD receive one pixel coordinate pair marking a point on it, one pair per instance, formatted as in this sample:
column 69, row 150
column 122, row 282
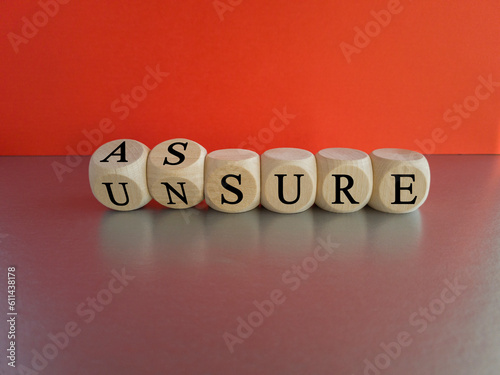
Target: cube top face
column 338, row 153
column 398, row 154
column 232, row 180
column 117, row 175
column 288, row 154
column 175, row 173
column 401, row 180
column 288, row 180
column 233, row 154
column 176, row 153
column 345, row 179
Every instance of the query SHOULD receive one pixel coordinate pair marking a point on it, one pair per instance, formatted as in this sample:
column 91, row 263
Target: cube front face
column 117, row 175
column 288, row 180
column 401, row 180
column 175, row 173
column 232, row 180
column 345, row 180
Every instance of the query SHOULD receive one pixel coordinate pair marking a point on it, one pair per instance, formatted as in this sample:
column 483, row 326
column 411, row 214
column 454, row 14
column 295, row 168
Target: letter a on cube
column 117, row 175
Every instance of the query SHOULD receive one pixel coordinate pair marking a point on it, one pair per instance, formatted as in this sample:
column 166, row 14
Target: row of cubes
column 125, row 175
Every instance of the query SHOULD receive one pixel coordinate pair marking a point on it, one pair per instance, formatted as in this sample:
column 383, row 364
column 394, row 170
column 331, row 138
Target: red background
column 227, row 76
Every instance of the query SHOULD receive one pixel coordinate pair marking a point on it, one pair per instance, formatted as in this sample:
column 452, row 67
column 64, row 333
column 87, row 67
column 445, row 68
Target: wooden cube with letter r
column 345, row 179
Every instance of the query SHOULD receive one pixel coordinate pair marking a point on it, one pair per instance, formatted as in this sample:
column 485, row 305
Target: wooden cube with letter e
column 401, row 180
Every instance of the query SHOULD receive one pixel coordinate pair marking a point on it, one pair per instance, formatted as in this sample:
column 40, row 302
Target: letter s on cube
column 117, row 175
column 175, row 172
column 232, row 180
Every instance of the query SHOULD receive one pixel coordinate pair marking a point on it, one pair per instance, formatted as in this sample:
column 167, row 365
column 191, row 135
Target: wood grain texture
column 345, row 179
column 175, row 173
column 232, row 180
column 401, row 180
column 288, row 180
column 117, row 174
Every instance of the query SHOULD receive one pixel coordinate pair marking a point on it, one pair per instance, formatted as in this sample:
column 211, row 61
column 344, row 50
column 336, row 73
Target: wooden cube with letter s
column 175, row 173
column 232, row 180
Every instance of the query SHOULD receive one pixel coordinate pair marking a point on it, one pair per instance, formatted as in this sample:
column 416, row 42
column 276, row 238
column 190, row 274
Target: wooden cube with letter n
column 401, row 180
column 175, row 171
column 117, row 174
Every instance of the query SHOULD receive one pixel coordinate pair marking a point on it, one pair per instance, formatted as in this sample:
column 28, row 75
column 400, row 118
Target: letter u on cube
column 125, row 175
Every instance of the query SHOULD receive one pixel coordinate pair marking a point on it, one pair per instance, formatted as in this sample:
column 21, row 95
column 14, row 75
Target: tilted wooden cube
column 288, row 180
column 232, row 180
column 401, row 180
column 345, row 179
column 117, row 174
column 175, row 173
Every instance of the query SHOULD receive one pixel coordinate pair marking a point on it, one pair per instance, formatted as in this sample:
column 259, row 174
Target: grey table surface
column 159, row 291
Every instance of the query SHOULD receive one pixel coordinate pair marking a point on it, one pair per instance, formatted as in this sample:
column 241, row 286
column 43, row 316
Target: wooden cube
column 175, row 172
column 345, row 179
column 117, row 174
column 288, row 180
column 401, row 180
column 232, row 180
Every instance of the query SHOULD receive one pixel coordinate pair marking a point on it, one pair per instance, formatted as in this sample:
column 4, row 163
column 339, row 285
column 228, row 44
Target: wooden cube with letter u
column 288, row 180
column 117, row 174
